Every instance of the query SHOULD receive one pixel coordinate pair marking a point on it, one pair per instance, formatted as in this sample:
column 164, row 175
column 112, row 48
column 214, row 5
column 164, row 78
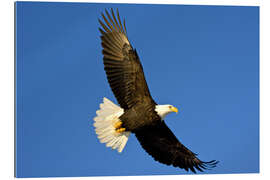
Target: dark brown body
column 139, row 116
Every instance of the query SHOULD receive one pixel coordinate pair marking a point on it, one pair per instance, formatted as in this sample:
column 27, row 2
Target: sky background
column 202, row 59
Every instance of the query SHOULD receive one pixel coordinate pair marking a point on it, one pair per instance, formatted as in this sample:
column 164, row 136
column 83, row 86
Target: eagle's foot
column 120, row 130
column 118, row 124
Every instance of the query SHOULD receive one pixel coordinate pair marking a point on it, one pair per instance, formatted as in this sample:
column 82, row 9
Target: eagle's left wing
column 122, row 64
column 159, row 141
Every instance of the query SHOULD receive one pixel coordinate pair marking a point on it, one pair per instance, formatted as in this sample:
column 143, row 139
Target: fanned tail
column 107, row 116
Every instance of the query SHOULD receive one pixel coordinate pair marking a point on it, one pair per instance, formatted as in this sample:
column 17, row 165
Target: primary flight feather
column 138, row 112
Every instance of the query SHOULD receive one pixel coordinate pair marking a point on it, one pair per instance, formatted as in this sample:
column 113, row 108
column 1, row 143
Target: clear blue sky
column 202, row 59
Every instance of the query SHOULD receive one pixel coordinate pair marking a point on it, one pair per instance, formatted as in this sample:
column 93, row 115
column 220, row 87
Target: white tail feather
column 107, row 116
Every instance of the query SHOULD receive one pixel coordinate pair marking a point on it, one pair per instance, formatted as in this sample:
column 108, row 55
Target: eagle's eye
column 170, row 107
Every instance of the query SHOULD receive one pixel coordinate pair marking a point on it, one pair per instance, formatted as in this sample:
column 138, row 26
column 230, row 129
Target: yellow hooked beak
column 174, row 109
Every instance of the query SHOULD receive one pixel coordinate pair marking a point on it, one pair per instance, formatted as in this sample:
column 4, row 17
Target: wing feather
column 125, row 26
column 119, row 20
column 118, row 27
column 121, row 63
column 163, row 146
column 112, row 22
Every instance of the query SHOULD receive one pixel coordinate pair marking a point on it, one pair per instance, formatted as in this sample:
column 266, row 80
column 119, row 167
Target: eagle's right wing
column 122, row 65
column 159, row 142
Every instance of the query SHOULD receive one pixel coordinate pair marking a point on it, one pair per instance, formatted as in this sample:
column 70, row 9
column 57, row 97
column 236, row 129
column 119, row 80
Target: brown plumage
column 159, row 142
column 126, row 78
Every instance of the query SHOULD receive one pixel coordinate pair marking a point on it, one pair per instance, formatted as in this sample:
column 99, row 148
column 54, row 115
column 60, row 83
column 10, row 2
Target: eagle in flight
column 138, row 112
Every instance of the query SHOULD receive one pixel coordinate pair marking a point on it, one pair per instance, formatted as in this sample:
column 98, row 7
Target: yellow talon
column 120, row 130
column 117, row 125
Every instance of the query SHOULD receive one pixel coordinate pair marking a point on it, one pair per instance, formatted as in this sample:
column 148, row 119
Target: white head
column 163, row 110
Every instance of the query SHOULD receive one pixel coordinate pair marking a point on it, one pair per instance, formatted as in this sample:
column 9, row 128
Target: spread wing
column 163, row 146
column 122, row 65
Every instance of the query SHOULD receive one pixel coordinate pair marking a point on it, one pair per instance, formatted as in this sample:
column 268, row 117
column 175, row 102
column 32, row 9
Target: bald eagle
column 138, row 112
